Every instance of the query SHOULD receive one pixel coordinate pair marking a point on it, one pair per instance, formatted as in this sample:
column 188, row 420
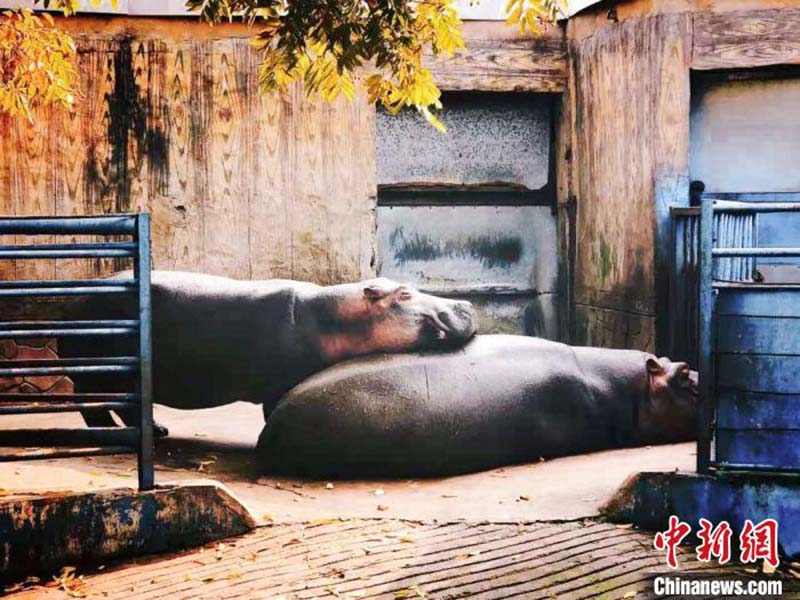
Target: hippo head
column 668, row 414
column 380, row 315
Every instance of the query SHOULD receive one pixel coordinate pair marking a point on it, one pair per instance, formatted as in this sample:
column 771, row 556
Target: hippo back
column 499, row 400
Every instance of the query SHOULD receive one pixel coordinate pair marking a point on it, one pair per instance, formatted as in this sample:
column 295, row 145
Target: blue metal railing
column 60, row 442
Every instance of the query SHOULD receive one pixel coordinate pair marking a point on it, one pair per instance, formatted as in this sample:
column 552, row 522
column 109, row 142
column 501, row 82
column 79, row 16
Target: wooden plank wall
column 169, row 121
column 500, row 59
column 630, row 119
column 629, row 93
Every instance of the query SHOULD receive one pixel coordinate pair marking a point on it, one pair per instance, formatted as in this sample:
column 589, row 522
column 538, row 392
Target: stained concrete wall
column 492, row 236
column 491, row 138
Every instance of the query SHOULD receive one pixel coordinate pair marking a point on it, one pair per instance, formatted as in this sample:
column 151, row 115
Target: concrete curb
column 41, row 533
column 648, row 499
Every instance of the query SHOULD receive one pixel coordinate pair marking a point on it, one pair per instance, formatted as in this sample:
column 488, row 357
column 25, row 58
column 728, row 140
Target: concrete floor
column 217, row 444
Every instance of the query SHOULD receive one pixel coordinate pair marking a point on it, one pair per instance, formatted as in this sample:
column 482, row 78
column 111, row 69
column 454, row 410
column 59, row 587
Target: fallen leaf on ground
column 69, row 581
column 324, row 521
column 382, row 507
column 293, row 542
column 524, row 498
column 412, row 592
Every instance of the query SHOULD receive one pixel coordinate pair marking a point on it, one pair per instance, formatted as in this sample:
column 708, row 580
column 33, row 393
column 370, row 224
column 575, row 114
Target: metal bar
column 142, row 275
column 62, row 453
column 65, row 253
column 59, row 407
column 67, row 283
column 38, row 372
column 720, row 252
column 706, row 307
column 86, row 370
column 745, row 285
column 63, row 398
column 33, row 333
column 758, row 207
column 75, row 246
column 92, row 436
column 59, row 291
column 723, row 466
column 56, row 325
column 69, row 362
column 111, row 225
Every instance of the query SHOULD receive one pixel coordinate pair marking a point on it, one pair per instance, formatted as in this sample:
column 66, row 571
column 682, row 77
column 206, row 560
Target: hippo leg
column 103, row 418
column 131, row 418
column 98, row 418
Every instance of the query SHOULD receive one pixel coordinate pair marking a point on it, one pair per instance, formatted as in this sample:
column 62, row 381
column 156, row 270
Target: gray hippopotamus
column 500, row 400
column 218, row 340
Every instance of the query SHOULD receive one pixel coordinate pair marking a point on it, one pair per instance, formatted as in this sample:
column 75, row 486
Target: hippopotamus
column 217, row 340
column 499, row 400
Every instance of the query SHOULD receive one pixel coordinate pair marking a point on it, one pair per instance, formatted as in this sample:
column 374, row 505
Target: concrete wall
column 746, row 135
column 469, row 213
column 491, row 138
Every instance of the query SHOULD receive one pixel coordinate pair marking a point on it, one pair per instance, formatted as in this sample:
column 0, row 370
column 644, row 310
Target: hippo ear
column 374, row 292
column 654, row 367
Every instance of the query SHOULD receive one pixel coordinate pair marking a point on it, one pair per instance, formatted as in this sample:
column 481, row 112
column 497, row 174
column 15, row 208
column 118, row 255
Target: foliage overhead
column 331, row 46
column 36, row 59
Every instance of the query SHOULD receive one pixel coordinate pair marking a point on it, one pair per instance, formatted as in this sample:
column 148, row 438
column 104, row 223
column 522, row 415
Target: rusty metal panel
column 469, row 249
column 491, row 138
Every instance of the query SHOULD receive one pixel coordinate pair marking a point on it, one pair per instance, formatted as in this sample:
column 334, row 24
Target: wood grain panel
column 497, row 65
column 630, row 123
column 32, row 188
column 225, row 224
column 7, row 168
column 273, row 152
column 169, row 120
column 746, row 39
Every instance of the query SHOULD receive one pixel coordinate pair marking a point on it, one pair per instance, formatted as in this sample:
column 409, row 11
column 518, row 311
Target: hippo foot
column 159, row 431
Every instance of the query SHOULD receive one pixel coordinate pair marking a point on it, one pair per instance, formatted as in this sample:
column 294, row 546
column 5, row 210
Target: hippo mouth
column 438, row 329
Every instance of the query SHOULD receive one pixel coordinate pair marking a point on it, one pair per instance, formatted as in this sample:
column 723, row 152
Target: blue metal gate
column 93, row 440
column 749, row 338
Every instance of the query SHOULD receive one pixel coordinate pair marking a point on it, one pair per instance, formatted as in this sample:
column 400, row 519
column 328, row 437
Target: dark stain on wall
column 493, row 251
column 134, row 133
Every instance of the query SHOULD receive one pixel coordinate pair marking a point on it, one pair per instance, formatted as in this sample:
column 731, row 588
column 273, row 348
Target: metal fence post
column 705, row 306
column 142, row 273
